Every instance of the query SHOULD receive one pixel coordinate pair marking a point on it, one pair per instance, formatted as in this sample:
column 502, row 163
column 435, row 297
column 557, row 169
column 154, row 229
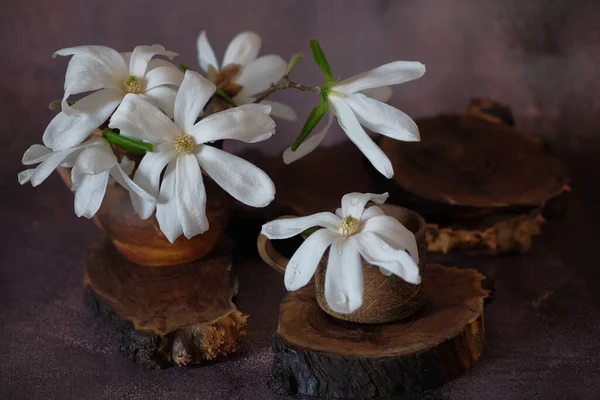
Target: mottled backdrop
column 539, row 56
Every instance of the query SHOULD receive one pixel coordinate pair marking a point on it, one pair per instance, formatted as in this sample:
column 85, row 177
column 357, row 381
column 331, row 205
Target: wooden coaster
column 175, row 315
column 318, row 355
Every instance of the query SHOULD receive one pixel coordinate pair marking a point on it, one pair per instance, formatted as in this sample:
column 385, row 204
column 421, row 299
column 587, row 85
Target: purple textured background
column 540, row 57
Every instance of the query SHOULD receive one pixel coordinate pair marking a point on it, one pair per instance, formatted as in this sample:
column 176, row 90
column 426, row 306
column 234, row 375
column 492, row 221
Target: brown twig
column 285, row 83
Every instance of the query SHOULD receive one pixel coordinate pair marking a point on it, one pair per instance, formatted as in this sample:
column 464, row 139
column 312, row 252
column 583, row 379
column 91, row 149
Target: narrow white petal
column 127, row 165
column 354, row 203
column 36, row 154
column 167, row 75
column 344, row 277
column 377, row 252
column 147, row 177
column 194, row 93
column 191, row 196
column 25, row 176
column 89, row 194
column 50, row 163
column 371, row 212
column 393, row 73
column 304, row 262
column 257, row 76
column 91, row 68
column 383, row 94
column 309, row 144
column 238, row 177
column 95, row 159
column 124, row 180
column 166, row 207
column 206, row 55
column 138, row 64
column 383, row 118
column 286, row 228
column 394, row 234
column 359, row 137
column 65, row 131
column 242, row 49
column 162, row 97
column 139, row 118
column 248, row 123
column 280, row 110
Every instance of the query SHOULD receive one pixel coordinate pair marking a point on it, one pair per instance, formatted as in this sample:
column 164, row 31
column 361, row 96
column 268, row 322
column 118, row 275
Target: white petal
column 248, row 123
column 383, row 94
column 241, row 179
column 359, row 137
column 89, row 194
column 191, row 196
column 166, row 207
column 91, row 68
column 286, row 228
column 354, row 203
column 50, row 163
column 257, row 76
column 162, row 97
column 308, row 145
column 242, row 49
column 280, row 110
column 344, row 277
column 139, row 118
column 304, row 262
column 147, row 177
column 127, row 165
column 194, row 93
column 65, row 131
column 25, row 176
column 124, row 180
column 371, row 212
column 36, row 154
column 377, row 252
column 383, row 118
column 95, row 159
column 206, row 55
column 394, row 234
column 138, row 64
column 167, row 75
column 393, row 73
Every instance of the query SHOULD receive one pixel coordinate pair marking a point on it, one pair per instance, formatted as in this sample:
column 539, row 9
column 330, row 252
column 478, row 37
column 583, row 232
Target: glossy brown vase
column 142, row 242
column 385, row 299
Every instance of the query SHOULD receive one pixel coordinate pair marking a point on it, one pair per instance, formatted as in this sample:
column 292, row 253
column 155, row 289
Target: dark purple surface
column 540, row 57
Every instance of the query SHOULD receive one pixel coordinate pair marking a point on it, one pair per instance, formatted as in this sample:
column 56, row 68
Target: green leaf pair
column 127, row 144
column 319, row 111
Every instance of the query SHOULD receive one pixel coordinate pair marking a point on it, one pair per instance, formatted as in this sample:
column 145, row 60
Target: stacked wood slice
column 479, row 182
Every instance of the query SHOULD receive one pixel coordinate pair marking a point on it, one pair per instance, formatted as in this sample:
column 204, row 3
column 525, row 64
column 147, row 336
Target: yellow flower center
column 184, row 144
column 133, row 84
column 349, row 226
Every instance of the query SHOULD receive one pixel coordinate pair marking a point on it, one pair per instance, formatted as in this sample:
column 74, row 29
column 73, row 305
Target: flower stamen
column 133, row 84
column 184, row 144
column 349, row 226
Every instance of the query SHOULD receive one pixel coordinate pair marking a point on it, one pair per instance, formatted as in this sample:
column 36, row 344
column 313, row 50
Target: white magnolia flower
column 180, row 147
column 242, row 74
column 92, row 162
column 354, row 110
column 352, row 232
column 110, row 75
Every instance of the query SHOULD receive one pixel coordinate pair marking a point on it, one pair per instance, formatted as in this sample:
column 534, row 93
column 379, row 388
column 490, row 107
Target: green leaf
column 313, row 119
column 296, row 58
column 183, row 67
column 321, row 61
column 127, row 144
column 226, row 97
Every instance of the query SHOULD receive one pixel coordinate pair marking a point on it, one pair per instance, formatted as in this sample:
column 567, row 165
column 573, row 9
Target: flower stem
column 285, row 83
column 127, row 144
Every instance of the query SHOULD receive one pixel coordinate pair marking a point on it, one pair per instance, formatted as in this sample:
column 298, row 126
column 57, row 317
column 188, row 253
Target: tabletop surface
column 540, row 57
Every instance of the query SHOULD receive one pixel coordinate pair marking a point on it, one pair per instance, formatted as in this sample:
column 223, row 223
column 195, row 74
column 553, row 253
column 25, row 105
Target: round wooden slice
column 173, row 315
column 466, row 161
column 318, row 355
